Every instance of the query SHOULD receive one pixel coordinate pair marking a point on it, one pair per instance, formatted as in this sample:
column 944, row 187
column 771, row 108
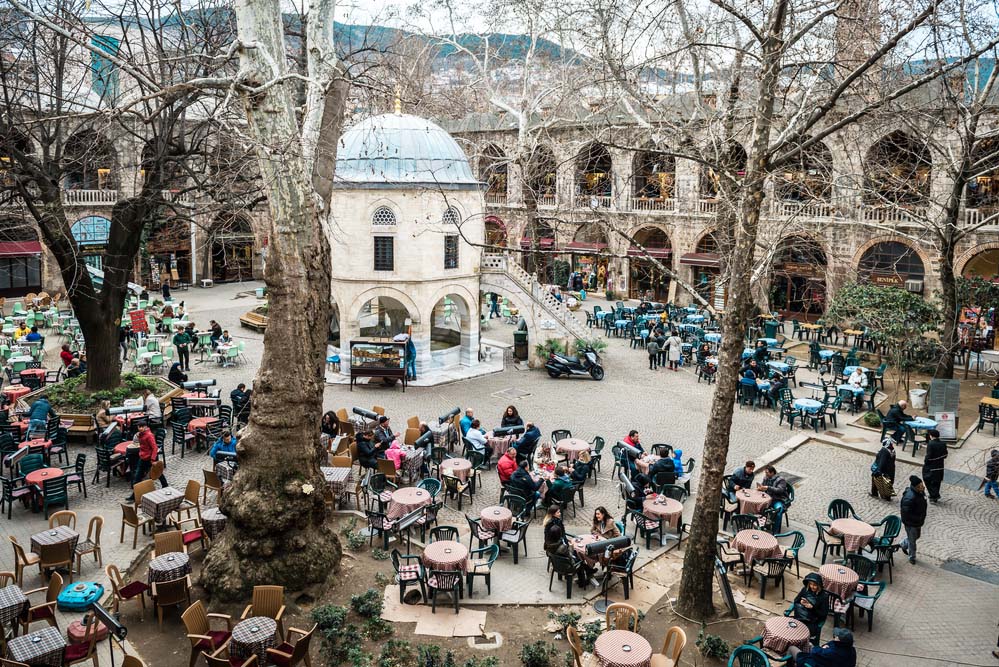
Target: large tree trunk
column 950, row 309
column 277, row 531
column 695, row 598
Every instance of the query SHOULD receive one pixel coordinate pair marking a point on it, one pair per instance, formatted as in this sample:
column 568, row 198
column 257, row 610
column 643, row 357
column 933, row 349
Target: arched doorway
column 450, row 331
column 541, row 178
column 710, row 182
column 383, row 317
column 232, row 248
column 539, row 238
column 982, row 195
column 647, row 281
column 654, row 181
column 896, row 177
column 20, row 258
column 705, row 269
column 588, row 259
column 495, row 233
column 493, row 172
column 594, row 179
column 798, row 284
column 89, row 163
column 169, row 248
column 892, row 264
column 804, row 187
column 91, row 236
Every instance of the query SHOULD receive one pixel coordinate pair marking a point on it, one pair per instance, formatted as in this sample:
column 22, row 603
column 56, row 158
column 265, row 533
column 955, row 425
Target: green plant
column 872, row 419
column 377, row 629
column 72, row 395
column 565, row 619
column 382, row 579
column 560, row 272
column 538, row 654
column 357, row 657
column 551, row 345
column 491, row 661
column 598, row 345
column 337, row 635
column 711, row 646
column 609, row 295
column 379, row 554
column 397, row 653
column 348, row 526
column 355, row 540
column 367, row 604
column 590, row 633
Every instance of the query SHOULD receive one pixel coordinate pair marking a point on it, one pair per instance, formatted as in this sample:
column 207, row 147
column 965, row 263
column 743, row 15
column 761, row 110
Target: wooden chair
column 671, row 657
column 378, row 410
column 171, row 594
column 155, row 472
column 132, row 661
column 204, row 640
column 6, row 579
column 91, row 545
column 22, row 559
column 170, row 542
column 191, row 501
column 621, row 616
column 54, row 556
column 341, row 462
column 141, row 489
column 191, row 531
column 46, row 610
column 221, row 658
column 387, row 468
column 122, row 592
column 63, row 518
column 4, row 662
column 413, row 422
column 289, row 655
column 267, row 601
column 212, row 483
column 411, row 436
column 130, row 516
column 86, row 650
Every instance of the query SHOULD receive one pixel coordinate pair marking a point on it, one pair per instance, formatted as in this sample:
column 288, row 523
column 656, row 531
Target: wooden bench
column 254, row 321
column 84, row 426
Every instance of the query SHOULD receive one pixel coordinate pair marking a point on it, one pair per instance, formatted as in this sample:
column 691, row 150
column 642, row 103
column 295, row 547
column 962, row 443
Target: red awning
column 700, row 259
column 20, row 248
column 658, row 253
column 583, row 245
column 544, row 244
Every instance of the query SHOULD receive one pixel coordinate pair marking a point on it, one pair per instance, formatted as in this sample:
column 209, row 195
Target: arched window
column 593, row 177
column 890, row 263
column 383, row 215
column 710, row 182
column 451, row 217
column 897, row 172
column 493, row 170
column 654, row 181
column 540, row 177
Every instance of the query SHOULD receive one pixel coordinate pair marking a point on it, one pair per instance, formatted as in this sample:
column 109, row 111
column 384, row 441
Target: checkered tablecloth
column 56, row 535
column 226, row 471
column 412, row 462
column 339, row 479
column 500, row 445
column 213, row 521
column 622, row 648
column 779, row 633
column 12, row 603
column 444, row 435
column 856, row 534
column 42, row 647
column 253, row 636
column 159, row 503
column 168, row 567
column 839, row 579
column 362, row 425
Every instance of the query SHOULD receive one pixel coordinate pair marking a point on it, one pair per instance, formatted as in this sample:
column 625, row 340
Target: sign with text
column 887, row 279
column 946, row 424
column 138, row 318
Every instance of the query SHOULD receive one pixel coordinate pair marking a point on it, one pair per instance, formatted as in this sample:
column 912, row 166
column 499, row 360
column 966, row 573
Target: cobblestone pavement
column 926, row 612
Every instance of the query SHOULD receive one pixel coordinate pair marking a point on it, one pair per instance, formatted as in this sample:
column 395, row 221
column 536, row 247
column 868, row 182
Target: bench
column 254, row 321
column 84, row 426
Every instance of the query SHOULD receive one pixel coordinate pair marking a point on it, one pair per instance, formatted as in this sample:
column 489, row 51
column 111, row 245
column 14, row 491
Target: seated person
column 511, row 417
column 75, row 368
column 528, row 441
column 838, row 652
column 561, row 484
column 395, row 454
column 581, row 468
column 636, row 499
column 774, row 485
column 466, row 422
column 383, row 436
column 603, row 525
column 506, row 465
column 176, row 375
column 477, row 437
column 103, row 416
column 761, row 355
column 811, row 604
column 225, row 338
column 523, row 484
column 225, row 444
column 34, row 337
column 366, row 451
column 742, row 478
column 66, row 355
column 663, row 471
column 216, row 330
column 633, row 439
column 777, row 382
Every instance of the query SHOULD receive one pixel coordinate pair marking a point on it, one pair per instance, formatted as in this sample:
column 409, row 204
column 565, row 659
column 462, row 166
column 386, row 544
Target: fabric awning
column 658, row 253
column 544, row 244
column 584, row 246
column 700, row 259
column 20, row 248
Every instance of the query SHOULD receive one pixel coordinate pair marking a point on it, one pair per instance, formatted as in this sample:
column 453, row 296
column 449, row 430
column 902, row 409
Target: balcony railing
column 89, row 197
column 894, row 214
column 796, row 209
column 495, row 197
column 592, row 201
column 546, row 201
column 977, row 216
column 652, row 204
column 707, row 206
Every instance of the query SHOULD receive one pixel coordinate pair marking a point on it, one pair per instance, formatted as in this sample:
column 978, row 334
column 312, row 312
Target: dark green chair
column 432, row 486
column 841, row 509
column 890, row 527
column 748, row 656
column 864, row 602
column 31, row 463
column 745, row 522
column 54, row 494
column 866, row 568
column 791, row 551
column 758, row 642
column 480, row 564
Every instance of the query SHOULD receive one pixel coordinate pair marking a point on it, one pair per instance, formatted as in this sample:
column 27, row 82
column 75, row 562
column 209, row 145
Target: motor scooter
column 585, row 363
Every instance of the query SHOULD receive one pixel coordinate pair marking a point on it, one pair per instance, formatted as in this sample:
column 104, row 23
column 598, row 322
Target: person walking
column 675, row 347
column 884, row 465
column 653, row 349
column 493, row 305
column 933, row 464
column 912, row 510
column 992, row 475
column 182, row 342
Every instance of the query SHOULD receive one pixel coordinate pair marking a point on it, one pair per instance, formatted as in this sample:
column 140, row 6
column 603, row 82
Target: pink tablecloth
column 668, row 509
column 458, row 467
column 839, row 579
column 572, row 448
column 499, row 445
column 15, row 392
column 407, row 500
column 445, row 555
column 752, row 501
column 496, row 518
column 621, row 648
column 756, row 545
column 200, row 423
column 856, row 534
column 780, row 632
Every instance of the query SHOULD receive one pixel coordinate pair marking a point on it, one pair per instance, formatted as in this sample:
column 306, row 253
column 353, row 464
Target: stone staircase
column 501, row 271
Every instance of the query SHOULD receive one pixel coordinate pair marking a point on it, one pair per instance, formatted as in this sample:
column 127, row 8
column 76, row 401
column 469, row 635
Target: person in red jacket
column 507, row 464
column 148, row 451
column 66, row 355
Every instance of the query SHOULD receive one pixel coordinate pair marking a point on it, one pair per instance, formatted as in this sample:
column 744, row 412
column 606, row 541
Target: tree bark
column 277, row 531
column 695, row 598
column 950, row 308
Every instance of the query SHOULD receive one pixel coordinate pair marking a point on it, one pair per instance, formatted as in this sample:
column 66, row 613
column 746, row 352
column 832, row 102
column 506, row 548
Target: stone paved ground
column 926, row 612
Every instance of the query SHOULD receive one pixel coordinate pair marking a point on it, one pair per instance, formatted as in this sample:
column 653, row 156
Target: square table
column 161, row 502
column 12, row 603
column 41, row 647
column 56, row 535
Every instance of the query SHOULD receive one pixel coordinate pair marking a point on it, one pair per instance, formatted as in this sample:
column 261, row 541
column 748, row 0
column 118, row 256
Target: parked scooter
column 586, row 363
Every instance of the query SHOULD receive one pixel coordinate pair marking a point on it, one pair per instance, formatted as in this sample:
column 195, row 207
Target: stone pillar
column 565, row 175
column 686, row 186
column 623, row 173
column 514, row 184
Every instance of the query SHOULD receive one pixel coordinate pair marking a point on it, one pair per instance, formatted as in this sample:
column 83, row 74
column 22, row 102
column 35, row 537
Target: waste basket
column 770, row 328
column 260, row 292
column 520, row 345
column 917, row 399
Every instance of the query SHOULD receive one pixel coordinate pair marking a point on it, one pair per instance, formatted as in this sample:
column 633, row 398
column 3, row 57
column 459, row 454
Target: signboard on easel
column 138, row 318
column 943, row 404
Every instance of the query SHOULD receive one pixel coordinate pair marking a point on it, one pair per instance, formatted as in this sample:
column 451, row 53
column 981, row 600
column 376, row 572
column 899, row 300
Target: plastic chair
column 122, row 592
column 444, row 581
column 864, row 602
column 621, row 616
column 841, row 509
column 748, row 656
column 408, row 574
column 480, row 564
column 204, row 640
column 791, row 551
column 267, row 601
column 91, row 545
column 770, row 568
column 170, row 594
column 670, row 657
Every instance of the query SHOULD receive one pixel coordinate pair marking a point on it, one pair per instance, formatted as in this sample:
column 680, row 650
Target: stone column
column 623, row 173
column 686, row 186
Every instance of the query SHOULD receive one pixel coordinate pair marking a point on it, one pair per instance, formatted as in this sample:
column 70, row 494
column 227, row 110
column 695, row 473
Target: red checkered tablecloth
column 200, row 423
column 496, row 518
column 779, row 633
column 458, row 467
column 644, row 463
column 752, row 501
column 445, row 555
column 500, row 444
column 666, row 508
column 839, row 579
column 622, row 648
column 407, row 500
column 856, row 534
column 572, row 448
column 756, row 545
column 339, row 479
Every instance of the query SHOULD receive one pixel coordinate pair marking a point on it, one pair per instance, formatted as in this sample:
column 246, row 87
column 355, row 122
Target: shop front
column 540, row 240
column 705, row 271
column 892, row 264
column 798, row 285
column 20, row 268
column 91, row 235
column 169, row 249
column 588, row 257
column 647, row 281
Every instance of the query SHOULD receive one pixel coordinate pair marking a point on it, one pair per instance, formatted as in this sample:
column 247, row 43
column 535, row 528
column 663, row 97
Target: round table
column 826, row 354
column 664, row 508
column 445, row 555
column 169, row 566
column 572, row 448
column 213, row 521
column 458, row 467
column 622, row 648
column 856, row 534
column 37, row 372
column 807, row 404
column 200, row 423
column 35, row 443
column 579, row 544
column 839, row 579
column 752, row 501
column 712, row 337
column 921, row 423
column 36, row 477
column 756, row 545
column 496, row 518
column 770, row 342
column 253, row 636
column 407, row 500
column 848, row 370
column 781, row 632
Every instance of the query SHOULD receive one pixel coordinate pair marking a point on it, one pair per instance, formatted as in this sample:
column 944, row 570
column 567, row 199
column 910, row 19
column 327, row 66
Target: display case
column 378, row 358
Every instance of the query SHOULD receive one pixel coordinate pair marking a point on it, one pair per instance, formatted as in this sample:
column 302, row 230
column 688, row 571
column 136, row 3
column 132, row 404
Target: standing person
column 166, row 289
column 182, row 342
column 493, row 305
column 992, row 476
column 674, row 346
column 652, row 347
column 913, row 515
column 410, row 359
column 39, row 415
column 661, row 342
column 933, row 464
column 884, row 464
column 124, row 333
column 147, row 454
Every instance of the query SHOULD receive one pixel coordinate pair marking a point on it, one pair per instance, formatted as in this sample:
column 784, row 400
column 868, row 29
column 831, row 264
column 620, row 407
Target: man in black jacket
column 896, row 419
column 384, row 436
column 522, row 484
column 366, row 451
column 775, row 486
column 742, row 478
column 913, row 515
column 933, row 464
column 666, row 467
column 527, row 442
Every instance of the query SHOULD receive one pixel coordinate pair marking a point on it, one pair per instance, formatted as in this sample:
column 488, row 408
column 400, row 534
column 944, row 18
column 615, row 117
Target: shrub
column 377, row 629
column 337, row 635
column 491, row 661
column 598, row 345
column 565, row 619
column 538, row 654
column 872, row 419
column 711, row 646
column 382, row 579
column 357, row 657
column 367, row 604
column 72, row 395
column 551, row 345
column 397, row 653
column 379, row 554
column 590, row 633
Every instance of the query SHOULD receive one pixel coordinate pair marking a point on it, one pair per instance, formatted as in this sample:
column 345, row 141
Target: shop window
column 384, row 253
column 451, row 251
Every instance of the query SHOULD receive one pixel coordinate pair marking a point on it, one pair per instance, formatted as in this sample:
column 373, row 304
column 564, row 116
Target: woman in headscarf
column 176, row 375
column 884, row 466
column 811, row 604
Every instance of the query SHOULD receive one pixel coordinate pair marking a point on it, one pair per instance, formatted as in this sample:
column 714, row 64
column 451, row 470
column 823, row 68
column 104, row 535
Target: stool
column 207, row 282
column 334, row 363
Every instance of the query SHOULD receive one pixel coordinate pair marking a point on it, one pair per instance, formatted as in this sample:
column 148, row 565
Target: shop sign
column 799, row 269
column 887, row 279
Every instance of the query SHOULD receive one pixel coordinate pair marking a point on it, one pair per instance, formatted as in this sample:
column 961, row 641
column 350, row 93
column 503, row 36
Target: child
column 653, row 349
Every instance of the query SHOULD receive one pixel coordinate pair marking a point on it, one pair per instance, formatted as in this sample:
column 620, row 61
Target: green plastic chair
column 19, row 366
column 864, row 602
column 748, row 656
column 31, row 463
column 55, row 494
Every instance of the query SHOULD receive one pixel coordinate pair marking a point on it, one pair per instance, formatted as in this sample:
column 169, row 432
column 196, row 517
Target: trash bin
column 260, row 292
column 770, row 328
column 917, row 399
column 520, row 345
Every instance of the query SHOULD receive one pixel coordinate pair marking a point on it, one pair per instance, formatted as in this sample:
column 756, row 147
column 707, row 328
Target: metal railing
column 89, row 197
column 652, row 204
column 795, row 209
column 546, row 201
column 495, row 197
column 592, row 201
